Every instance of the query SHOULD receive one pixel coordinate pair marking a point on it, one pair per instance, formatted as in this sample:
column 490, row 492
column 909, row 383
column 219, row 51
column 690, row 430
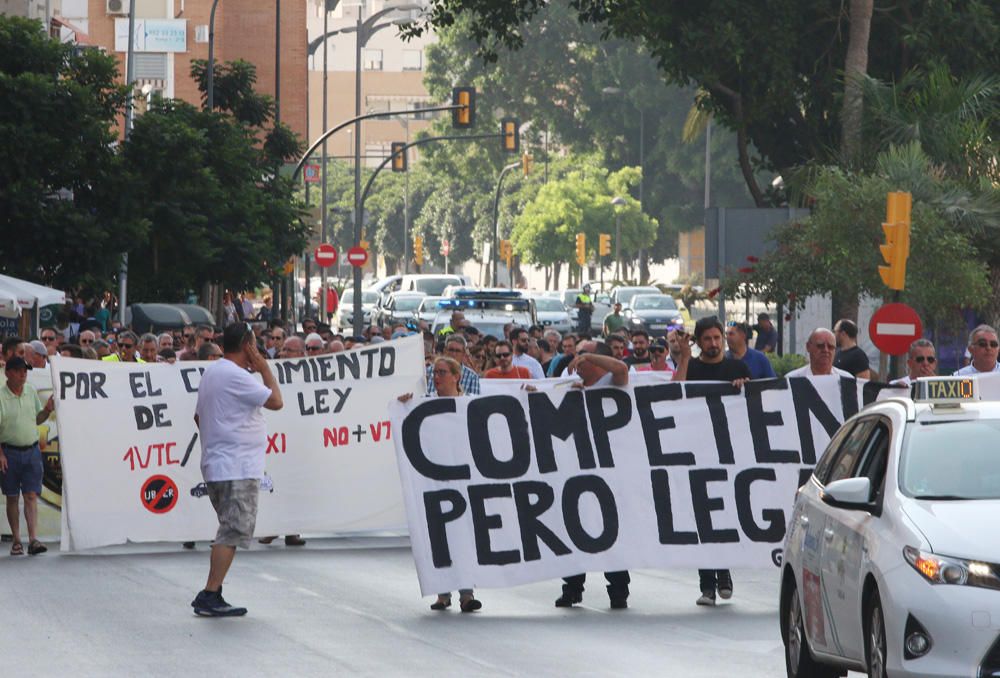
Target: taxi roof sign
column 945, row 390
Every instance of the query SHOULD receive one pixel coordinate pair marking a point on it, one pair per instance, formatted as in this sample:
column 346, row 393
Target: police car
column 891, row 562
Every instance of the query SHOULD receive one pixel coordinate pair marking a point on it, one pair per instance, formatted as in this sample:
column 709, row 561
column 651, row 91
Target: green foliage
column 61, row 196
column 783, row 364
column 836, row 249
column 207, row 183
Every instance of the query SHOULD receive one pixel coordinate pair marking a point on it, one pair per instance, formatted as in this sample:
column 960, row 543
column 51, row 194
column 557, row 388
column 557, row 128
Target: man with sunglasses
column 506, row 369
column 51, row 340
column 983, row 346
column 230, row 418
column 821, row 347
column 315, row 344
column 127, row 344
column 920, row 361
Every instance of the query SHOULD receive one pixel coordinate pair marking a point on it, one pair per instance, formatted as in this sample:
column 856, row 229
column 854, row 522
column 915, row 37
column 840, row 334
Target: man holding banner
column 711, row 365
column 595, row 366
column 233, row 443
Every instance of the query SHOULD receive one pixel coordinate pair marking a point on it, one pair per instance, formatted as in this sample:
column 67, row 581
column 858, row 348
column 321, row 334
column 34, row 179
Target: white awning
column 9, row 306
column 31, row 294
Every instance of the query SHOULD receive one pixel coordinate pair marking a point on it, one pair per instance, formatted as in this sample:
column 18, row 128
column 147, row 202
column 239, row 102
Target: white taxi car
column 891, row 562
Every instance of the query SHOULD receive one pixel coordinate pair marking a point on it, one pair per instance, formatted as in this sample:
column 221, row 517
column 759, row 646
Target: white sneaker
column 707, row 599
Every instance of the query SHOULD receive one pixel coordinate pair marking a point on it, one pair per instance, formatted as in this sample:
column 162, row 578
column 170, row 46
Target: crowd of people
column 457, row 358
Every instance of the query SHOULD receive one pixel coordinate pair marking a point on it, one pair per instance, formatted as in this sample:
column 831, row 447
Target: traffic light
column 896, row 249
column 605, row 244
column 506, row 251
column 581, row 249
column 526, row 161
column 465, row 117
column 510, row 134
column 398, row 156
column 418, row 250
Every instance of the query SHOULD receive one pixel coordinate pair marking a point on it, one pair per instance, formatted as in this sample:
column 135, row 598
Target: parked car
column 344, row 317
column 397, row 308
column 158, row 317
column 655, row 313
column 552, row 314
column 623, row 295
column 428, row 309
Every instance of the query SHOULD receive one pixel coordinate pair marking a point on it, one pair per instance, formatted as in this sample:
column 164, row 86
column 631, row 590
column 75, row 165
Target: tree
column 61, row 203
column 772, row 71
column 220, row 209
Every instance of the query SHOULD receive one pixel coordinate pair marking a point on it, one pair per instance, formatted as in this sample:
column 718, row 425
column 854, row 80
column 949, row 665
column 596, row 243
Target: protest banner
column 131, row 452
column 516, row 487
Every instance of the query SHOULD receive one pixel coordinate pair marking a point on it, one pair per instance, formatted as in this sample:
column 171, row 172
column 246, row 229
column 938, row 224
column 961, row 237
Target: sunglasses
column 505, row 354
column 988, row 344
column 84, row 341
column 925, row 358
column 49, row 338
column 657, row 349
column 127, row 345
column 188, row 335
column 314, row 348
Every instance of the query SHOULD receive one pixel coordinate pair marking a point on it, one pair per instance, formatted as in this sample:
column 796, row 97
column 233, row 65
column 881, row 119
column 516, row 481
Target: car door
column 844, row 549
column 806, row 539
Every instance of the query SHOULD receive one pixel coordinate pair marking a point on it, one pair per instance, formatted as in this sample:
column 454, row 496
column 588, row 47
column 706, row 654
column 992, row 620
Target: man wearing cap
column 36, row 354
column 21, row 411
column 229, row 415
column 585, row 310
column 767, row 336
column 657, row 358
column 983, row 346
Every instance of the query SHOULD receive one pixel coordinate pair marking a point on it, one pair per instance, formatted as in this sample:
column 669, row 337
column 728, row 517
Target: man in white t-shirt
column 233, row 444
column 983, row 346
column 821, row 347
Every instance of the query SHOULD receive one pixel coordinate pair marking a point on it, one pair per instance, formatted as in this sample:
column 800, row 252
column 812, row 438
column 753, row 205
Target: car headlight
column 956, row 571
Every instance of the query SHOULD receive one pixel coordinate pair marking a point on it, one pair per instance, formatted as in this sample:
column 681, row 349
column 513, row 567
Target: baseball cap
column 17, row 363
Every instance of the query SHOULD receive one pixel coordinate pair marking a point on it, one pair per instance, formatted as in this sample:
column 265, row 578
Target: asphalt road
column 352, row 606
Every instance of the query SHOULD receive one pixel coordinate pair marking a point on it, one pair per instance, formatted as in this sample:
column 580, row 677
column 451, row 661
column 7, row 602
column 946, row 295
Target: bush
column 783, row 364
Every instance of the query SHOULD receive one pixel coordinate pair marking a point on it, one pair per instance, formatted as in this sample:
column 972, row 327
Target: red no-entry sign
column 357, row 256
column 894, row 327
column 326, row 255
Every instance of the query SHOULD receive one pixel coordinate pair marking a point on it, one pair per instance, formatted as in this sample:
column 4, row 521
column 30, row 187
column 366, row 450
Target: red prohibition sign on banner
column 357, row 256
column 159, row 494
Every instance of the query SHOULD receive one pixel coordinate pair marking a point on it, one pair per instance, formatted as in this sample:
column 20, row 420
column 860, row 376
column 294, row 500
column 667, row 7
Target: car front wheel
column 875, row 652
column 799, row 662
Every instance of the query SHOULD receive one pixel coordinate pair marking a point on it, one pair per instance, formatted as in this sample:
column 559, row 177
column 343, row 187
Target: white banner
column 131, row 454
column 519, row 487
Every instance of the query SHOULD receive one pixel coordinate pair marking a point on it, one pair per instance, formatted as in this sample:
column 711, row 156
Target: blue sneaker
column 212, row 604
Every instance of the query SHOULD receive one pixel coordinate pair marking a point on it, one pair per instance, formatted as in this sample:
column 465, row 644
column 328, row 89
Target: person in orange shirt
column 505, row 369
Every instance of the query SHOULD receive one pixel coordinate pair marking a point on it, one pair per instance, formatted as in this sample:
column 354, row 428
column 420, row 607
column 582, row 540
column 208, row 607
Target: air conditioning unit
column 117, row 7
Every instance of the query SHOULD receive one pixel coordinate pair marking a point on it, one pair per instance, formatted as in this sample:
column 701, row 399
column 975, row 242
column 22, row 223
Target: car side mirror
column 853, row 494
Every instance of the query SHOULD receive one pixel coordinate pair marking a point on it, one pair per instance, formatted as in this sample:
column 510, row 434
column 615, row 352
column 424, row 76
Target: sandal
column 17, row 549
column 36, row 547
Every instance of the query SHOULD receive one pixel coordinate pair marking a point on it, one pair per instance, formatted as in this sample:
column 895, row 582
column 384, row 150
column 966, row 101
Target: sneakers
column 707, row 598
column 212, row 604
column 569, row 598
column 725, row 585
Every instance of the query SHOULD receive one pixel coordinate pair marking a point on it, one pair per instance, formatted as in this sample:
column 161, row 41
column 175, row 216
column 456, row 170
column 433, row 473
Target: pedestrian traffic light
column 398, row 156
column 464, row 117
column 526, row 164
column 418, row 250
column 896, row 249
column 605, row 244
column 510, row 135
column 581, row 249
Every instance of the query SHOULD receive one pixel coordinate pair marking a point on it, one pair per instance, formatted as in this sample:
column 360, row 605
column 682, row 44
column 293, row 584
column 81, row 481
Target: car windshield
column 408, row 303
column 663, row 303
column 434, row 286
column 548, row 304
column 429, row 304
column 951, row 460
column 367, row 297
column 625, row 294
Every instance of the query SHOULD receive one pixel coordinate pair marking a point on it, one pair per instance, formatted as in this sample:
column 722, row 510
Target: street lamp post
column 210, row 72
column 618, row 202
column 617, row 91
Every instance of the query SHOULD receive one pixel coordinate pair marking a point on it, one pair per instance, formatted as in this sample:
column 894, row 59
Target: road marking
column 307, row 592
column 267, row 577
column 896, row 329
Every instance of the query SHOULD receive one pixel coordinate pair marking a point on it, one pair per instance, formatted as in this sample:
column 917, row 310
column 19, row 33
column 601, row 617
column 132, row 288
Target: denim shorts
column 235, row 502
column 24, row 471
